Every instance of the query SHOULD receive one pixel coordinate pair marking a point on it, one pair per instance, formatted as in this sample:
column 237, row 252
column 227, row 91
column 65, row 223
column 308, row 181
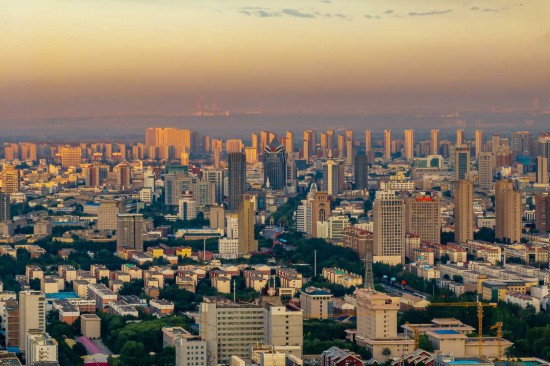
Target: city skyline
column 126, row 58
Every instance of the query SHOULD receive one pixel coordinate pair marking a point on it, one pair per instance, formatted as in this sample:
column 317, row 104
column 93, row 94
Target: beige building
column 408, row 148
column 217, row 217
column 464, row 211
column 389, row 228
column 32, row 314
column 284, row 329
column 107, row 214
column 11, row 179
column 423, row 217
column 90, row 326
column 320, row 211
column 40, row 347
column 247, row 243
column 485, row 171
column 129, row 232
column 508, row 212
column 316, row 303
column 342, row 277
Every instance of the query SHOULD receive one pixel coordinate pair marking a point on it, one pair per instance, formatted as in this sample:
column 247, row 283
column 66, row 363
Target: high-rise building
column 368, row 140
column 5, row 206
column 289, row 142
column 408, row 149
column 123, row 174
column 217, row 152
column 71, row 156
column 217, row 217
column 495, row 143
column 331, row 176
column 236, row 182
column 542, row 212
column 251, row 155
column 256, row 142
column 95, row 174
column 32, row 314
column 215, row 176
column 40, row 348
column 191, row 350
column 434, row 142
column 423, row 217
column 107, row 214
column 508, row 212
column 233, row 146
column 291, row 174
column 464, row 210
column 479, row 142
column 389, row 228
column 187, row 207
column 247, row 218
column 460, row 137
column 330, row 142
column 387, row 144
column 264, row 139
column 275, row 165
column 11, row 179
column 485, row 171
column 543, row 145
column 308, row 149
column 542, row 170
column 229, row 328
column 361, row 172
column 283, row 327
column 184, row 140
column 129, row 233
column 521, row 144
column 462, row 162
column 320, row 212
column 341, row 146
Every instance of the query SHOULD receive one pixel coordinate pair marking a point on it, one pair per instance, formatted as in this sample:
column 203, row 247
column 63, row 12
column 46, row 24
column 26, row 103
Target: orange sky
column 90, row 57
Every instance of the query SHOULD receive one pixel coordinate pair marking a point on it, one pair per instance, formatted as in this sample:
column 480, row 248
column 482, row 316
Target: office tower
column 71, row 157
column 423, row 218
column 330, row 142
column 331, row 176
column 150, row 136
column 229, row 328
column 389, row 228
column 361, row 172
column 462, row 162
column 129, row 233
column 479, row 142
column 171, row 137
column 233, row 146
column 251, row 155
column 434, row 142
column 191, row 350
column 485, row 171
column 217, row 152
column 216, row 177
column 308, row 149
column 275, row 165
column 521, row 144
column 324, row 144
column 5, row 207
column 495, row 142
column 95, row 174
column 349, row 144
column 247, row 218
column 368, row 140
column 217, row 217
column 123, row 174
column 320, row 211
column 464, row 210
column 32, row 314
column 107, row 214
column 387, row 144
column 236, row 179
column 291, row 174
column 377, row 325
column 283, row 328
column 543, row 145
column 40, row 348
column 289, row 142
column 460, row 137
column 408, row 150
column 187, row 207
column 542, row 212
column 184, row 159
column 255, row 142
column 10, row 179
column 542, row 170
column 264, row 140
column 176, row 182
column 341, row 146
column 503, row 156
column 508, row 212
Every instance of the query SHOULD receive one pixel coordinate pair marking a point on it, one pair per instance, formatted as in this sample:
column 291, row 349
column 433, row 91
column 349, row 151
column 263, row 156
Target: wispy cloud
column 428, row 13
column 389, row 11
column 297, row 13
column 369, row 16
column 495, row 10
column 289, row 12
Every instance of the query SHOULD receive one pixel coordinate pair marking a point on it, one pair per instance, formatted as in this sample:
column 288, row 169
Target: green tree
column 133, row 354
column 425, row 344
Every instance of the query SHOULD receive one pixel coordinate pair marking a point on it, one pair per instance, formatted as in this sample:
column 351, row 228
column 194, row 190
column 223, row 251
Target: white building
column 187, row 206
column 40, row 347
column 191, row 351
column 228, row 248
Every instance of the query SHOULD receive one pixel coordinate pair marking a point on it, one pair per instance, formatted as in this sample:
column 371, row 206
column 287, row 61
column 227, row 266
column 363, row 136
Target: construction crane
column 479, row 305
column 416, row 335
column 498, row 327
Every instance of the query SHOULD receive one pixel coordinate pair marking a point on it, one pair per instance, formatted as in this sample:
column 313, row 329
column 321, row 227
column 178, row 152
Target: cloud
column 369, row 16
column 433, row 12
column 389, row 11
column 495, row 10
column 297, row 13
column 325, row 1
column 260, row 12
column 288, row 12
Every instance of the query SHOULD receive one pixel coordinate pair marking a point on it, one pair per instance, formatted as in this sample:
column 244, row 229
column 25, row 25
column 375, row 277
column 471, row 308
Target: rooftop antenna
column 315, row 263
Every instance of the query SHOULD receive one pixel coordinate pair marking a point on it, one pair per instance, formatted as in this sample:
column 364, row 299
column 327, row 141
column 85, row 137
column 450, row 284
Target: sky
column 89, row 58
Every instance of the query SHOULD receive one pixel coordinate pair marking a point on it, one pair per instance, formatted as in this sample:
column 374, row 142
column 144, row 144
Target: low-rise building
column 90, row 326
column 316, row 303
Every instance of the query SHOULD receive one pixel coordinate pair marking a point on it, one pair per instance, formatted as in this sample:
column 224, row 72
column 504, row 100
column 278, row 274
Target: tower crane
column 479, row 305
column 498, row 327
column 416, row 335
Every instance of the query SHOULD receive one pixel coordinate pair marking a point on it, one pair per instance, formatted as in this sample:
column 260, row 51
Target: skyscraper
column 542, row 212
column 542, row 170
column 233, row 146
column 387, row 144
column 71, row 156
column 320, row 211
column 464, row 210
column 389, row 228
column 462, row 162
column 129, row 233
column 361, row 172
column 521, row 144
column 247, row 244
column 309, row 144
column 408, row 150
column 187, row 207
column 434, row 142
column 460, row 137
column 236, row 179
column 10, row 179
column 331, row 176
column 485, row 171
column 107, row 214
column 479, row 142
column 423, row 217
column 368, row 140
column 275, row 165
column 289, row 142
column 5, row 207
column 217, row 152
column 508, row 212
column 32, row 314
